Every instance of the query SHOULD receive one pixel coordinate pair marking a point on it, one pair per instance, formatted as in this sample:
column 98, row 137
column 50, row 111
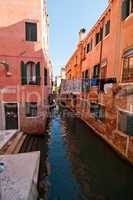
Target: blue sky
column 66, row 17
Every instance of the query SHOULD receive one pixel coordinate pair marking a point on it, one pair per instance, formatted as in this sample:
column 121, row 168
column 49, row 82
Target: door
column 11, row 116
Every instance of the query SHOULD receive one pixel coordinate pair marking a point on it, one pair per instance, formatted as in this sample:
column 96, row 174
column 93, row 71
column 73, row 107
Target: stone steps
column 14, row 145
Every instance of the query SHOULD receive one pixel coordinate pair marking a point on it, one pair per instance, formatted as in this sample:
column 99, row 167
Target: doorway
column 11, row 116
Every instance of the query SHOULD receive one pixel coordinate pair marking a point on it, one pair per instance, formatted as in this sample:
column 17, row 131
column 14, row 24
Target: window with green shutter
column 30, row 73
column 23, row 73
column 38, row 73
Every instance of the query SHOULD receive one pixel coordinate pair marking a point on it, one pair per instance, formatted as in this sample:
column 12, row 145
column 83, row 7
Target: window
column 98, row 111
column 86, row 74
column 31, row 31
column 106, row 28
column 83, row 53
column 125, row 122
column 96, row 71
column 101, row 115
column 99, row 36
column 30, row 73
column 128, row 69
column 45, row 77
column 83, row 75
column 103, row 72
column 94, row 109
column 127, row 8
column 75, row 60
column 31, row 109
column 89, row 46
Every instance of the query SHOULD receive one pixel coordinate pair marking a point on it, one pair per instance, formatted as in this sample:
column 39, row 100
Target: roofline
column 91, row 30
column 98, row 21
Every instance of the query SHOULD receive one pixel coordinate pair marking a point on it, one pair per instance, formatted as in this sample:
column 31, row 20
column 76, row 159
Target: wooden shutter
column 125, row 9
column 38, row 73
column 23, row 74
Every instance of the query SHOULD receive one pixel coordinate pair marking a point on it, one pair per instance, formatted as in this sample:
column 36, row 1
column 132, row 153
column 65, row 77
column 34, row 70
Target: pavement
column 18, row 181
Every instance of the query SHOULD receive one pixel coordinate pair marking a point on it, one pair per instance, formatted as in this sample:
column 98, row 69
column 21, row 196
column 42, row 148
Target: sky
column 66, row 18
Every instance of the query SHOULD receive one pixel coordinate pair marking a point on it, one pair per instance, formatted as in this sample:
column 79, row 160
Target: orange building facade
column 25, row 68
column 103, row 61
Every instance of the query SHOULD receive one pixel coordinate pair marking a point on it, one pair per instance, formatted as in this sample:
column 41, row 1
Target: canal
column 77, row 165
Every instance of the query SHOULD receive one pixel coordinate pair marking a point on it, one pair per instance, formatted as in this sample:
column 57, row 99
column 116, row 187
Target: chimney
column 82, row 34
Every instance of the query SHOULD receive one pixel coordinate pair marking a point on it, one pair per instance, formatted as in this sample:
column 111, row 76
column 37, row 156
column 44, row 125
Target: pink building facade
column 25, row 68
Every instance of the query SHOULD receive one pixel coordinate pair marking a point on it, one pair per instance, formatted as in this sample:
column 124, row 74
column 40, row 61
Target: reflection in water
column 83, row 167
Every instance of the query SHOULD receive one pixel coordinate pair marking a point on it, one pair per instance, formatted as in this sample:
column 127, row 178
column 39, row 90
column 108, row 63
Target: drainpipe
column 100, row 58
column 101, row 50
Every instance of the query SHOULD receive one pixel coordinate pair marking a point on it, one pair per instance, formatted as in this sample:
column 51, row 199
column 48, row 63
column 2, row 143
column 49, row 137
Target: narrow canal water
column 83, row 167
